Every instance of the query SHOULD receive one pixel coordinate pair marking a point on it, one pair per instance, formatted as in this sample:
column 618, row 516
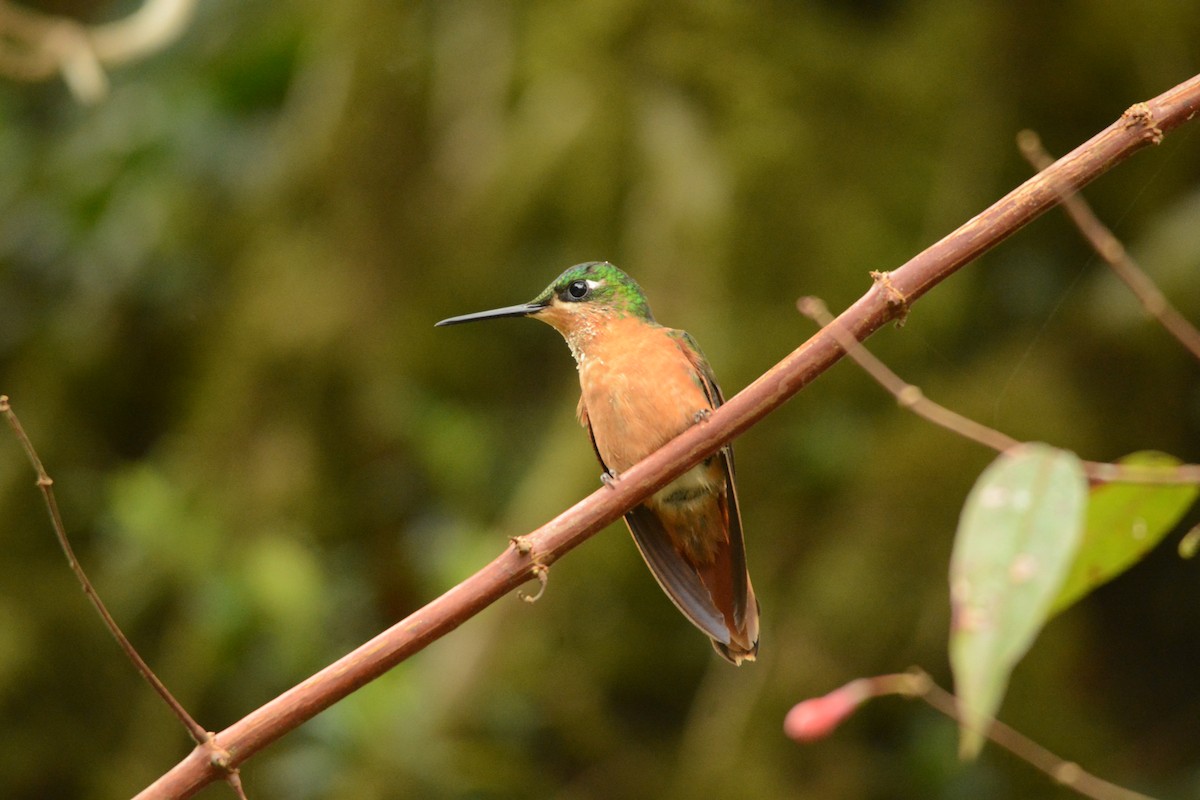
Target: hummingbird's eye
column 577, row 290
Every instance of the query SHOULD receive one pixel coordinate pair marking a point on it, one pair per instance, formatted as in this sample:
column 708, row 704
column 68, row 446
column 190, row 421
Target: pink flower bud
column 817, row 717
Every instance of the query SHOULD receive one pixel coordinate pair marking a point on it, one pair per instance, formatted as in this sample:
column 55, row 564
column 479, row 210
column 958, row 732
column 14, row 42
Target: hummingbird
column 641, row 385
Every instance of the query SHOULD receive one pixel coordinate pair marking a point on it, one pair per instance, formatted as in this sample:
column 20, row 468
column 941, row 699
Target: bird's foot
column 702, row 415
column 609, row 479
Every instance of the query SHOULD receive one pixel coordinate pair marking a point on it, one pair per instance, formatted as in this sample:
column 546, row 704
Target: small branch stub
column 524, row 546
column 1139, row 115
column 542, row 573
column 893, row 296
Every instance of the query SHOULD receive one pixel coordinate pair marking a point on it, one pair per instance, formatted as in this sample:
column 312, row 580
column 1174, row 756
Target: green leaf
column 1019, row 531
column 1124, row 522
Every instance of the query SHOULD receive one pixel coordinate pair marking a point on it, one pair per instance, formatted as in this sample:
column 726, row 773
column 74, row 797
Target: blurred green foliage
column 217, row 292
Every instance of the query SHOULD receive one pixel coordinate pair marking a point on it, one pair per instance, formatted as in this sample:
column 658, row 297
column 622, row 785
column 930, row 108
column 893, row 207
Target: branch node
column 895, row 298
column 522, row 544
column 909, row 396
column 918, row 683
column 222, row 759
column 1067, row 773
column 1112, row 249
column 218, row 756
column 1139, row 115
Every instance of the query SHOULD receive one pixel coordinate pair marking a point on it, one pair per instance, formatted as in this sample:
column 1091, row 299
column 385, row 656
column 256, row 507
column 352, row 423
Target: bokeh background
column 217, row 297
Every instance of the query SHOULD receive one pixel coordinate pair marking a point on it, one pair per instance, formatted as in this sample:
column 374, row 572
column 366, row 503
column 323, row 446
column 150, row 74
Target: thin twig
column 1109, row 248
column 1140, row 127
column 817, row 717
column 912, row 398
column 918, row 684
column 36, row 46
column 45, row 483
column 906, row 394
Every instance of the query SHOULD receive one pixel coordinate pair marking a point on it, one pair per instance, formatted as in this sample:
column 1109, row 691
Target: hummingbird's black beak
column 523, row 310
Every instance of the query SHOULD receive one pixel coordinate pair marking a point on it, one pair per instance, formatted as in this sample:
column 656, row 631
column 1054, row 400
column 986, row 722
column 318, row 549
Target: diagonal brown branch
column 1142, row 125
